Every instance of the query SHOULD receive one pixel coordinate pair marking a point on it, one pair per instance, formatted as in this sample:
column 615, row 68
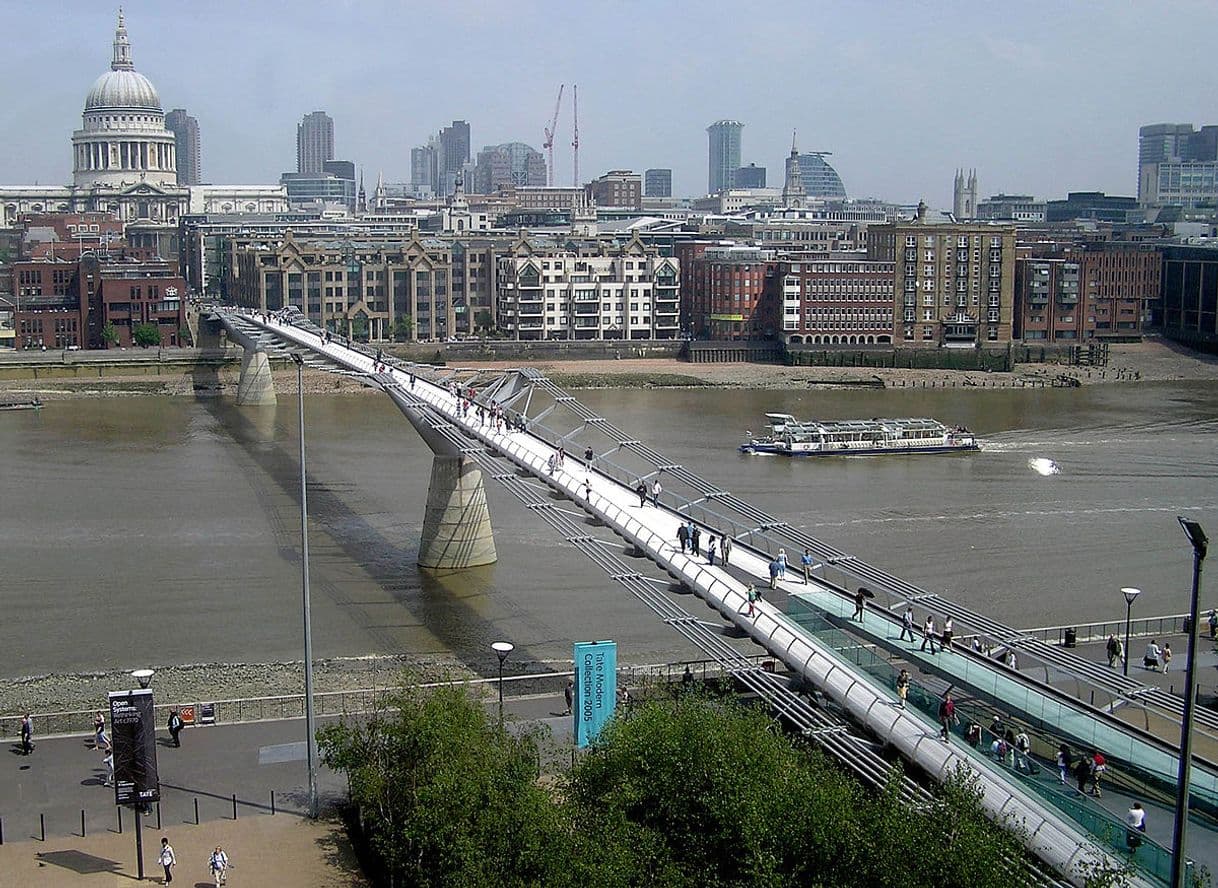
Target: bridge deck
column 652, row 529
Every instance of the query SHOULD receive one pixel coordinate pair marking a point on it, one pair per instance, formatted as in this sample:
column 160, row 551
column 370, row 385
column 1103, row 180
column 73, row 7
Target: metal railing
column 362, row 700
column 1089, row 633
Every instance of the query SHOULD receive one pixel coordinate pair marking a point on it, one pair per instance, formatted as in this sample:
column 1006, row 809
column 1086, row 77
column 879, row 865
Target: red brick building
column 1088, row 291
column 67, row 304
column 724, row 292
column 838, row 300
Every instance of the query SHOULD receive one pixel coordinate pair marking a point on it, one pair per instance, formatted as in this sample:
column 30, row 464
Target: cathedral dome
column 122, row 87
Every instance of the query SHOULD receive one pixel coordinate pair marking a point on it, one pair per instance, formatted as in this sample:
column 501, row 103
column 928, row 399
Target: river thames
column 165, row 530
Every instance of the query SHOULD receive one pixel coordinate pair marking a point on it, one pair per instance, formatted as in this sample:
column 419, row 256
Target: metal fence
column 352, row 702
column 1085, row 633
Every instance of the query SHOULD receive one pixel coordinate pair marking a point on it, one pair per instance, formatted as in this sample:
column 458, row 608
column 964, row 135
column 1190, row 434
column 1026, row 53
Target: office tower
column 724, row 154
column 185, row 131
column 452, row 156
column 751, row 176
column 1177, row 165
column 820, row 179
column 657, row 183
column 314, row 142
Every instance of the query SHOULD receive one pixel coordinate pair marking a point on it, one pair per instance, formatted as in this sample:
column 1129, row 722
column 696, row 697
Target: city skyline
column 876, row 86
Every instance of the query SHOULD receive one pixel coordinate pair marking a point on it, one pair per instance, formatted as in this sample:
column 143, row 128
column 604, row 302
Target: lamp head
column 1196, row 536
column 502, row 649
column 143, row 676
column 1130, row 594
column 297, row 358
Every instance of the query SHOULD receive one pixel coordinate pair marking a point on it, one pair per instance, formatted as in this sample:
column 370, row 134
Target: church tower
column 964, row 196
column 794, row 195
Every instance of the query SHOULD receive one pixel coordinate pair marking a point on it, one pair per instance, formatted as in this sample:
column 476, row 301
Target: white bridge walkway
column 652, row 531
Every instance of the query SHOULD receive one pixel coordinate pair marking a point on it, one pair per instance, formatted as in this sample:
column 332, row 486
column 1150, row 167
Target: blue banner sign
column 595, row 688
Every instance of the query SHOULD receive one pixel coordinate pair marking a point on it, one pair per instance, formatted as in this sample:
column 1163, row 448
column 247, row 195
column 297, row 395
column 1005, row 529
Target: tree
column 483, row 320
column 146, row 335
column 683, row 793
column 403, row 326
column 109, row 334
column 448, row 798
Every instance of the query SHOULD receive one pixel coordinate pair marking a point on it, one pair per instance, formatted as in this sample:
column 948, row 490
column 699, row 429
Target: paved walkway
column 306, row 854
column 63, row 776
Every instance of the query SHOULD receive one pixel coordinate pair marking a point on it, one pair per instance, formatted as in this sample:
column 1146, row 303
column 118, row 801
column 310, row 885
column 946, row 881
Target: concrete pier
column 456, row 524
column 255, row 387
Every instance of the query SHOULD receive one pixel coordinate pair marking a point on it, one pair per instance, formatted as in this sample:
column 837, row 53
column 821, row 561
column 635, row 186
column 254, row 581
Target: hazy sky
column 1039, row 97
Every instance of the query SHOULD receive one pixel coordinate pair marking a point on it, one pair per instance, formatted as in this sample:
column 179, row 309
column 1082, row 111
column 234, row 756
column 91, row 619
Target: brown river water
column 165, row 530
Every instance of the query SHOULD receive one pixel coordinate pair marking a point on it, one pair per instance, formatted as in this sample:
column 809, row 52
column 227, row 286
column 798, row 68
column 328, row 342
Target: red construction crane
column 548, row 144
column 575, row 140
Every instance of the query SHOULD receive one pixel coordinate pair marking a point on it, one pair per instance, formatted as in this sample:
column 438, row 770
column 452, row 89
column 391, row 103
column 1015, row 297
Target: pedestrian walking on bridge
column 928, row 634
column 695, row 539
column 1113, row 650
column 683, row 536
column 727, row 549
column 27, row 734
column 641, row 490
column 806, row 560
column 907, row 624
column 947, row 716
column 710, row 551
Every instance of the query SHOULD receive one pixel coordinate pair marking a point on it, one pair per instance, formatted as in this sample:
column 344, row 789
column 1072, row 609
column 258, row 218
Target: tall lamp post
column 1130, row 594
column 310, row 724
column 1198, row 540
column 502, row 649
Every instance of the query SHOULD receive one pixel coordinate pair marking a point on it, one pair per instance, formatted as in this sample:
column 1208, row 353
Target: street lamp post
column 1200, row 542
column 144, row 677
column 310, row 725
column 1130, row 594
column 502, row 649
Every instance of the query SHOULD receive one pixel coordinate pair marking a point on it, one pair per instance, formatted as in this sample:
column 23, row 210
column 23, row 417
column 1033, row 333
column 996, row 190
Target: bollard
column 272, row 801
column 120, row 820
column 234, row 806
column 196, row 810
column 82, row 823
column 1, row 830
column 42, row 824
column 158, row 815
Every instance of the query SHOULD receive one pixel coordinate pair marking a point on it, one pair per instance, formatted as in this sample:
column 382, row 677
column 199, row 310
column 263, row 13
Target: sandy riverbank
column 1150, row 361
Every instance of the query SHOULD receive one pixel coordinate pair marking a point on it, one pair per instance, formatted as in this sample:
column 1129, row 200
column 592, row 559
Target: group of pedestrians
column 217, row 863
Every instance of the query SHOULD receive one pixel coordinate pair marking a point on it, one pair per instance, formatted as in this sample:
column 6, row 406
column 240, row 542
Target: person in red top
column 1099, row 765
column 947, row 716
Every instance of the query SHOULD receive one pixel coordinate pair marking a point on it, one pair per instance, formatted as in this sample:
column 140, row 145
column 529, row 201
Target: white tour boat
column 789, row 436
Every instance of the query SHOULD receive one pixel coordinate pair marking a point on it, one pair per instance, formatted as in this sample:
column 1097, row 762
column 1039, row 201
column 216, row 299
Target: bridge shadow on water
column 440, row 603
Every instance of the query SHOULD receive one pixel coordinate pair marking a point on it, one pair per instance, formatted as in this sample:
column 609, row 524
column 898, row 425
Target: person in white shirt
column 1135, row 823
column 1151, row 658
column 656, row 490
column 167, row 859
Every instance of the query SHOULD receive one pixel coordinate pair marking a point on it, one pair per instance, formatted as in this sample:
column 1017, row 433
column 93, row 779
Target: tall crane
column 575, row 139
column 548, row 144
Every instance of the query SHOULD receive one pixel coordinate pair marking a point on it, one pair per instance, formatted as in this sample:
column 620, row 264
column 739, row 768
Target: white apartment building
column 550, row 292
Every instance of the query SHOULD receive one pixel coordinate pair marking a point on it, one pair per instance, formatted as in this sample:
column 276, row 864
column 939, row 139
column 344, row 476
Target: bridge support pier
column 456, row 524
column 255, row 387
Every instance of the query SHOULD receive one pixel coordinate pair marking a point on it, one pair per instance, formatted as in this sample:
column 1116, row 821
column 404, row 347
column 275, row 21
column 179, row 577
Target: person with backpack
column 175, row 727
column 218, row 864
column 1083, row 772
